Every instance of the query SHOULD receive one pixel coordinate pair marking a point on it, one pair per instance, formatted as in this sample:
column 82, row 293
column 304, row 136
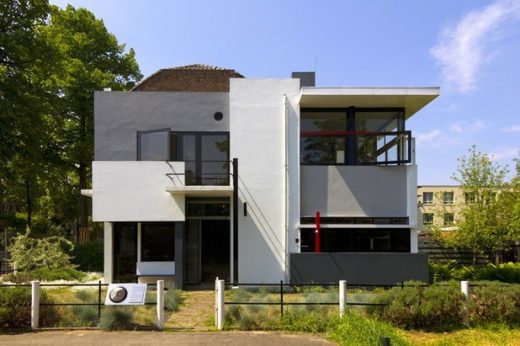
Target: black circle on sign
column 218, row 116
column 118, row 294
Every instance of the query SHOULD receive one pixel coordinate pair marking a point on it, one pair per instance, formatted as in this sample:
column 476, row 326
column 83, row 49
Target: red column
column 317, row 234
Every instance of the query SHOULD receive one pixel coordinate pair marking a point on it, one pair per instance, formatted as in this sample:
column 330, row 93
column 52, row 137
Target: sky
column 469, row 48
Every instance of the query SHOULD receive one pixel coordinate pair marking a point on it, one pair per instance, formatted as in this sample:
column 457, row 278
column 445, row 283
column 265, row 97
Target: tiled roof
column 190, row 78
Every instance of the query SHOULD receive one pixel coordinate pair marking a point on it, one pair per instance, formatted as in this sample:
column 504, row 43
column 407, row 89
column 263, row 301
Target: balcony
column 208, row 178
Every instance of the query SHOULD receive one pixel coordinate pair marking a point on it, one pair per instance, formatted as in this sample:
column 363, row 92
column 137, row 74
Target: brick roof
column 191, row 78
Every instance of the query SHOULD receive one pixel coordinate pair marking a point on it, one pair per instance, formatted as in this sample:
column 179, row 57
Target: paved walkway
column 195, row 313
column 96, row 337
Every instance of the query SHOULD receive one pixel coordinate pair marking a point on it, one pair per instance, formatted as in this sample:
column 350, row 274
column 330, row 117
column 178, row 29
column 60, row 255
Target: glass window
column 469, row 197
column 158, row 242
column 318, row 144
column 427, row 197
column 214, row 147
column 357, row 240
column 449, row 219
column 379, row 121
column 153, row 145
column 447, row 197
column 427, row 219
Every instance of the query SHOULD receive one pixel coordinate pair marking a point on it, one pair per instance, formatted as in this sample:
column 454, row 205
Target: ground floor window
column 125, row 251
column 157, row 242
column 357, row 240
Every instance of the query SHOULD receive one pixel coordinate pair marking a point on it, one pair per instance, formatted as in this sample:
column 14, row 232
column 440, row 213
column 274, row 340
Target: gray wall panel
column 354, row 191
column 358, row 268
column 119, row 115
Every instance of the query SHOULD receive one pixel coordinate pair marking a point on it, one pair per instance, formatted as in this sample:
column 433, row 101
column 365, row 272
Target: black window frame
column 198, row 152
column 351, row 157
column 165, row 129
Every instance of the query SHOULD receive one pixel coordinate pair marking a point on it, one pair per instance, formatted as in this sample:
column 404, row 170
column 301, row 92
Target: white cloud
column 428, row 137
column 467, row 126
column 463, row 48
column 504, row 154
column 513, row 128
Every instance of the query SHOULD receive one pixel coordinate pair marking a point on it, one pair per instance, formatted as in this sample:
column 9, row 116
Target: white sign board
column 126, row 294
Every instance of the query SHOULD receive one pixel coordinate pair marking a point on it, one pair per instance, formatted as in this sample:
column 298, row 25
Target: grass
column 466, row 337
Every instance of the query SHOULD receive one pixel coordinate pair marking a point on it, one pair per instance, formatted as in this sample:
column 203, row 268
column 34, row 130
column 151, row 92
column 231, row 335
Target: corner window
column 158, row 242
column 153, row 145
column 427, row 197
column 447, row 197
column 427, row 219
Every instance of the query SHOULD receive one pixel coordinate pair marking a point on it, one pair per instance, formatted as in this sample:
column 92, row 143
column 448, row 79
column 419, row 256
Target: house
column 200, row 172
column 439, row 206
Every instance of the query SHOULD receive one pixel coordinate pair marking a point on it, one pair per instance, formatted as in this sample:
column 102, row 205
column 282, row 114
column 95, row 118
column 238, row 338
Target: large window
column 447, row 197
column 427, row 218
column 357, row 240
column 206, row 157
column 157, row 242
column 353, row 137
column 427, row 197
column 449, row 219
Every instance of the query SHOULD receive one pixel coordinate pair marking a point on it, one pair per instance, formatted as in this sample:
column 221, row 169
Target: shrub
column 15, row 308
column 88, row 256
column 173, row 298
column 413, row 307
column 300, row 320
column 355, row 329
column 116, row 318
column 505, row 272
column 45, row 274
column 493, row 303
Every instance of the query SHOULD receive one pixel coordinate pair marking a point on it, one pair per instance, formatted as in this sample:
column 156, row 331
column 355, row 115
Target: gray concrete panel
column 119, row 115
column 372, row 191
column 179, row 255
column 358, row 268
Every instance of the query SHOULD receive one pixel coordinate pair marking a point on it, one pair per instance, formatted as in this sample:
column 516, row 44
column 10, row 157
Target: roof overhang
column 412, row 99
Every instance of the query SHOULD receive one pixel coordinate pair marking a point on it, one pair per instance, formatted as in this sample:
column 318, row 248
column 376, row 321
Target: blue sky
column 471, row 49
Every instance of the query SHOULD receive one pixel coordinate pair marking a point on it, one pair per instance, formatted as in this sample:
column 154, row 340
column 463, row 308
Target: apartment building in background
column 202, row 173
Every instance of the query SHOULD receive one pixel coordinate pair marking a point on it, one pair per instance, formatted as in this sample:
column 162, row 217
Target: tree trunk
column 83, row 206
column 28, row 201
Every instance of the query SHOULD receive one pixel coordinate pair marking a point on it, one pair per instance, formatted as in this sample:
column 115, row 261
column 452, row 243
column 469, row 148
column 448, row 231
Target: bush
column 506, row 272
column 86, row 315
column 117, row 318
column 300, row 320
column 173, row 298
column 45, row 274
column 413, row 307
column 355, row 329
column 15, row 308
column 88, row 256
column 493, row 303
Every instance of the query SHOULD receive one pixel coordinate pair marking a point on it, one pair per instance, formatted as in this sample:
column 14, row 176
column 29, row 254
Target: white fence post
column 160, row 304
column 220, row 304
column 216, row 301
column 464, row 287
column 35, row 304
column 342, row 295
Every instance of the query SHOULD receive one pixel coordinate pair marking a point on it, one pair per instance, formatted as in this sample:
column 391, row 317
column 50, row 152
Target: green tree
column 22, row 144
column 87, row 58
column 481, row 227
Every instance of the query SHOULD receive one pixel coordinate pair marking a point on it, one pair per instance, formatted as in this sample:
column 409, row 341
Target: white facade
column 275, row 192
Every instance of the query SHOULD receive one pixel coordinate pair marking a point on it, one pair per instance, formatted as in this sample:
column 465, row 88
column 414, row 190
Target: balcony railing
column 203, row 173
column 355, row 148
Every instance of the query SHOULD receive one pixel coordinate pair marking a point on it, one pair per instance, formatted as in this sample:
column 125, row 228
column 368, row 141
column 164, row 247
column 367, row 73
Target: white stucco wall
column 257, row 137
column 135, row 191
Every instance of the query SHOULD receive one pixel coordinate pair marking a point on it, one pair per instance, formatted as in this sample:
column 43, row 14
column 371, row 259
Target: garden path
column 195, row 313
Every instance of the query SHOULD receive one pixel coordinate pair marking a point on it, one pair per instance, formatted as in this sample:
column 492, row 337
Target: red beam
column 317, row 234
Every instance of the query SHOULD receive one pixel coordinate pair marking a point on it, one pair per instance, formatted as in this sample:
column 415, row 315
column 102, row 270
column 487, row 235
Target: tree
column 88, row 58
column 21, row 105
column 482, row 226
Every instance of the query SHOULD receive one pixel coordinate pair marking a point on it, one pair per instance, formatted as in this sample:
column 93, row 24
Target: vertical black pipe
column 99, row 300
column 235, row 220
column 281, row 298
